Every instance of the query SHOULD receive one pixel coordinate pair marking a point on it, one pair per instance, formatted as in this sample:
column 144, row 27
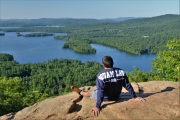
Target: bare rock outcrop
column 162, row 102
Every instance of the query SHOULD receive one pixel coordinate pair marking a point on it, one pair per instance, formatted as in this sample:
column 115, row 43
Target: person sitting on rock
column 109, row 83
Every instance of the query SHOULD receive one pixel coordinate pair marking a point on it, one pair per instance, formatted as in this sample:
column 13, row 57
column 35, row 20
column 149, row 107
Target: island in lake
column 2, row 34
column 35, row 34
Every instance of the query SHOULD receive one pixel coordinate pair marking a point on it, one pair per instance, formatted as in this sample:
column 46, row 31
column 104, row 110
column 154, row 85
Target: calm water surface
column 40, row 49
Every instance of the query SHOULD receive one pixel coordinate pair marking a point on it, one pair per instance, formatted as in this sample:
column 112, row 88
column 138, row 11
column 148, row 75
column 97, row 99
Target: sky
column 98, row 9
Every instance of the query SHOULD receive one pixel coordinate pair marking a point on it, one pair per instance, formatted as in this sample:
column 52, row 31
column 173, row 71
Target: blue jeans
column 93, row 94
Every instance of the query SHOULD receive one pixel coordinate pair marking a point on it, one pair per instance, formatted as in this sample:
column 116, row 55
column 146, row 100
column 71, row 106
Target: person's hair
column 107, row 61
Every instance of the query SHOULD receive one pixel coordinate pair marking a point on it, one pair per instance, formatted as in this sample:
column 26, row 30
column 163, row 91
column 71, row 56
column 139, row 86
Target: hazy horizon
column 86, row 9
column 82, row 18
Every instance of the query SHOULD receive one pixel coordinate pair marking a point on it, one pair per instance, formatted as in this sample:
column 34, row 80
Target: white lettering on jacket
column 110, row 74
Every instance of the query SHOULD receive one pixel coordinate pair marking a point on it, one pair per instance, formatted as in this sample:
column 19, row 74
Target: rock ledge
column 162, row 102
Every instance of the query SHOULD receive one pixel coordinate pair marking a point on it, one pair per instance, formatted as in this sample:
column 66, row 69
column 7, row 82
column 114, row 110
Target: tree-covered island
column 2, row 34
column 39, row 34
column 78, row 45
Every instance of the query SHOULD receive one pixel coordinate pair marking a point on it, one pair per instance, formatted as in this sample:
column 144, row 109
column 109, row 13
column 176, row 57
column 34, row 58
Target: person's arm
column 100, row 97
column 100, row 92
column 129, row 88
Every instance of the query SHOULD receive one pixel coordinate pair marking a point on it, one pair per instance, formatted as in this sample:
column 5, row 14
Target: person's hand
column 140, row 99
column 95, row 111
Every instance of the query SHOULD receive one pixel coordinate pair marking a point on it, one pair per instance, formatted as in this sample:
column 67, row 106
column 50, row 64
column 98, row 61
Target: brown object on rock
column 75, row 89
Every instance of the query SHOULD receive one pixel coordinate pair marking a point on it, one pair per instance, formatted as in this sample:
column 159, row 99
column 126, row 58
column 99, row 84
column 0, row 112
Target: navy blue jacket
column 109, row 85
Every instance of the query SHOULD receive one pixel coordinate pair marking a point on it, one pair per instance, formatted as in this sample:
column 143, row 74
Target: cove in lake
column 41, row 49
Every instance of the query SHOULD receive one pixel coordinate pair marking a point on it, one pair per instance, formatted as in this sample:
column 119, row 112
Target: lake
column 41, row 49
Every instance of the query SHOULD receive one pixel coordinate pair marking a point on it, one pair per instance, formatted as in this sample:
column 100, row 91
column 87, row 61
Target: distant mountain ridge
column 56, row 21
column 118, row 19
column 81, row 21
column 163, row 19
column 69, row 21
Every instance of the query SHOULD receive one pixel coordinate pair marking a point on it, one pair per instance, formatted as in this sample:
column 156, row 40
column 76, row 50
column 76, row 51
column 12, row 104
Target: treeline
column 53, row 77
column 137, row 36
column 6, row 57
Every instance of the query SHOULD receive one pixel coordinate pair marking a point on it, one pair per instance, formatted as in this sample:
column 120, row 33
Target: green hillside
column 137, row 36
